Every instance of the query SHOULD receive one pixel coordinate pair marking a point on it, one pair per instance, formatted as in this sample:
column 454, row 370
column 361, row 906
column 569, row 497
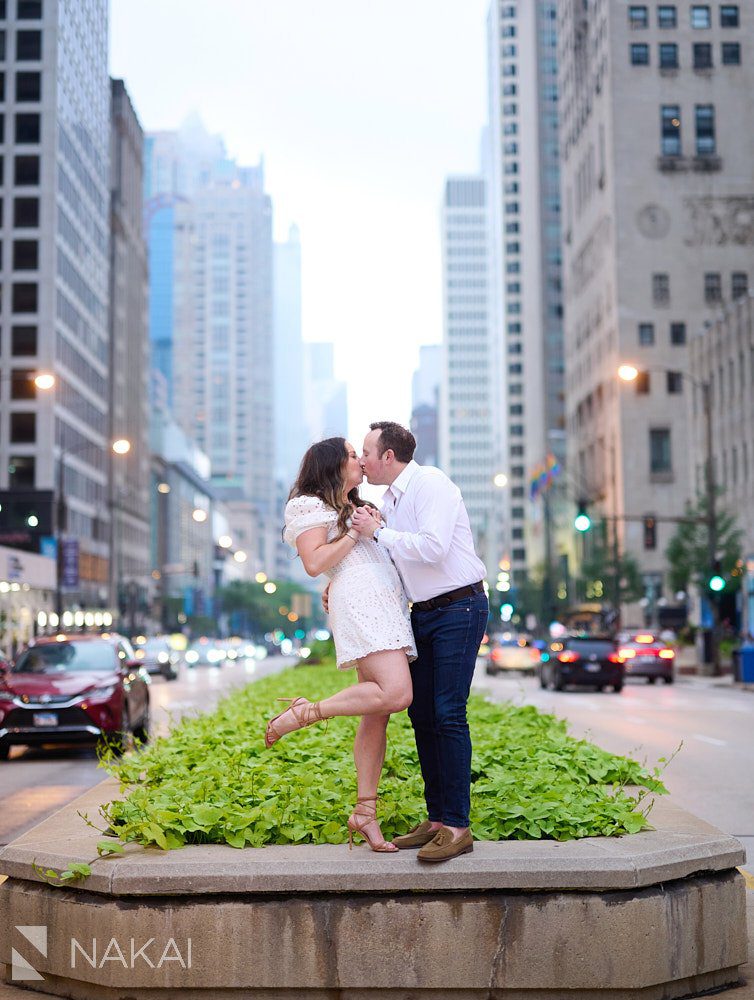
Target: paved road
column 712, row 775
column 36, row 782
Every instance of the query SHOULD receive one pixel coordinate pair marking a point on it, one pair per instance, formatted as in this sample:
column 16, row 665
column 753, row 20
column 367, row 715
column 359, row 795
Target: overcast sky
column 360, row 109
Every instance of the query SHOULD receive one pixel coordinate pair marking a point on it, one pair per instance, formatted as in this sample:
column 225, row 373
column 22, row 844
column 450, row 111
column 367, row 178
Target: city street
column 711, row 776
column 36, row 782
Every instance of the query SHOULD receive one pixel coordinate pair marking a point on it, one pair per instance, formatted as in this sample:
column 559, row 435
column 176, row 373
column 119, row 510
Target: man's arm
column 436, row 506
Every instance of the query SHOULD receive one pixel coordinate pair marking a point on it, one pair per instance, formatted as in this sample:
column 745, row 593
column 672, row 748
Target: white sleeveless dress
column 368, row 606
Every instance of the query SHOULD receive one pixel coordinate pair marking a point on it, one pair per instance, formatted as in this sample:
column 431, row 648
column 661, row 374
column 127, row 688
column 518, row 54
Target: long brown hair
column 322, row 474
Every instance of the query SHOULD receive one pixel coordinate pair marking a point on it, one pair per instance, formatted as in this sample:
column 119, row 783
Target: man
column 428, row 536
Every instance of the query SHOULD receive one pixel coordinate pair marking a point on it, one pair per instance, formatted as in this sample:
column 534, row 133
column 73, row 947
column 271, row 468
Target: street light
column 44, row 381
column 240, row 556
column 500, row 480
column 225, row 541
column 199, row 515
column 629, row 373
column 122, row 446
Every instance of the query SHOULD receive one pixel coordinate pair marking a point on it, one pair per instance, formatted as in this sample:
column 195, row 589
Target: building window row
column 670, row 130
column 700, row 15
column 646, row 333
column 730, row 55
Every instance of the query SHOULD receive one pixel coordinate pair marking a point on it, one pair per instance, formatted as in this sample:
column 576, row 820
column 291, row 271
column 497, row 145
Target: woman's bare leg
column 385, row 689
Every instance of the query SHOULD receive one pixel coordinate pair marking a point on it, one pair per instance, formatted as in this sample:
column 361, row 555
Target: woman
column 368, row 615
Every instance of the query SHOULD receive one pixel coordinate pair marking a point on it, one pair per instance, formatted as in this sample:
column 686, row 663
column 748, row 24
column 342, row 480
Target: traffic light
column 582, row 522
column 506, row 611
column 716, row 582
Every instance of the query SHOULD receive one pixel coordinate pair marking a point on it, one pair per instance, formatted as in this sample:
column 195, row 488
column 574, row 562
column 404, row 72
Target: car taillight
column 497, row 655
column 666, row 654
column 616, row 657
column 626, row 654
column 568, row 656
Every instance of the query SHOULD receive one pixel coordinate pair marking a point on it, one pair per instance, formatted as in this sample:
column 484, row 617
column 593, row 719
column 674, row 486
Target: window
column 29, row 10
column 739, row 284
column 674, row 382
column 700, row 16
column 677, row 334
column 26, row 170
column 729, row 15
column 667, row 16
column 660, row 459
column 638, row 16
column 23, row 428
column 713, row 288
column 24, row 341
column 670, row 141
column 25, row 255
column 650, row 532
column 21, row 472
column 702, row 55
column 705, row 130
column 640, row 55
column 668, row 55
column 24, row 297
column 661, row 289
column 731, row 54
column 27, row 128
column 22, row 384
column 25, row 213
column 28, row 87
column 646, row 334
column 642, row 383
column 519, row 555
column 28, row 46
column 2, row 86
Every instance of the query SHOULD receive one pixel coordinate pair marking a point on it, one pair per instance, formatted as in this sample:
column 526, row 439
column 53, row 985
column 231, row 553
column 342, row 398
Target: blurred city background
column 581, row 361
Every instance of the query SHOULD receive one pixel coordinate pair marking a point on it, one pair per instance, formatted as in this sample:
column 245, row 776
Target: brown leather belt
column 443, row 600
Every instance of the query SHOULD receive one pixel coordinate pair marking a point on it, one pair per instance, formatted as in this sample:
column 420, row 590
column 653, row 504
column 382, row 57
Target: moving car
column 74, row 689
column 510, row 652
column 157, row 656
column 582, row 660
column 205, row 652
column 646, row 655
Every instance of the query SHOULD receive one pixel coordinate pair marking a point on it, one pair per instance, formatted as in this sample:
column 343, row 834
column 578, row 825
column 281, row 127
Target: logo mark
column 21, row 969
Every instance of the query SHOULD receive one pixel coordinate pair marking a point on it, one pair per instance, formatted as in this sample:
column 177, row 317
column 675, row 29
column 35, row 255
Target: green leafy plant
column 211, row 780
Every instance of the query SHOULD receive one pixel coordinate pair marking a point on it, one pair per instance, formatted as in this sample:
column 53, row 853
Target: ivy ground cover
column 211, row 780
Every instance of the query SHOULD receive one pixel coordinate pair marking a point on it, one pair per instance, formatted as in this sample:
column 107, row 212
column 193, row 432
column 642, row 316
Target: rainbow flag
column 543, row 475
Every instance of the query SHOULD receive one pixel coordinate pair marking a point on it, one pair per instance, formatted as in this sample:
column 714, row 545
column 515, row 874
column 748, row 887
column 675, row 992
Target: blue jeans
column 447, row 643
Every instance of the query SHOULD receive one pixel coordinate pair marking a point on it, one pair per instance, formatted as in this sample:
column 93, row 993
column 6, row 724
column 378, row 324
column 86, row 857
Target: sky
column 360, row 110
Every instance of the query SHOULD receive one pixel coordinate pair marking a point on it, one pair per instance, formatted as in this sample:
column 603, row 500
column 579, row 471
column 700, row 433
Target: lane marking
column 710, row 739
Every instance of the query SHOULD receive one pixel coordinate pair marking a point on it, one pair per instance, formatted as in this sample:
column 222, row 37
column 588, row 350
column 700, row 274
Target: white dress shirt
column 428, row 534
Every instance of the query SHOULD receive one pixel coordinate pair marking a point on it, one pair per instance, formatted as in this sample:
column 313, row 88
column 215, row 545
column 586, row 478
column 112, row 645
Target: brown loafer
column 442, row 847
column 418, row 837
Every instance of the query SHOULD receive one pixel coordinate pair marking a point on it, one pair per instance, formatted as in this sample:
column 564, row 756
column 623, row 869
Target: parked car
column 511, row 653
column 74, row 689
column 646, row 655
column 582, row 660
column 157, row 656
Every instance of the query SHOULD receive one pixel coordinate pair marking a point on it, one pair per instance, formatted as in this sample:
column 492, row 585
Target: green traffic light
column 716, row 583
column 582, row 522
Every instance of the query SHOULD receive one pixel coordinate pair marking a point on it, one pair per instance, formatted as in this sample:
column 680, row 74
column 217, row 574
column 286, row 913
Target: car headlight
column 100, row 694
column 192, row 656
column 162, row 657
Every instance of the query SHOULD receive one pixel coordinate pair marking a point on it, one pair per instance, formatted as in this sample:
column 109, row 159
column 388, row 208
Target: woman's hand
column 363, row 522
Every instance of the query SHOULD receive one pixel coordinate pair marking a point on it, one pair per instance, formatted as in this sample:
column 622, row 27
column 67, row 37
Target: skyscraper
column 55, row 271
column 470, row 433
column 290, row 433
column 525, row 203
column 131, row 583
column 656, row 122
column 425, row 404
column 326, row 397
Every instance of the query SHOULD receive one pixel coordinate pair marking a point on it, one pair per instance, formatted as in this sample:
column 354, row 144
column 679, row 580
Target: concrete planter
column 659, row 914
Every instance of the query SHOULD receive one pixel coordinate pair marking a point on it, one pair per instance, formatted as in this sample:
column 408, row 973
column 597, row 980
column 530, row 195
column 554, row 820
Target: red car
column 647, row 656
column 73, row 689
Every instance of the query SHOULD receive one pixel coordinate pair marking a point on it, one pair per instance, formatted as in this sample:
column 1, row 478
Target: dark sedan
column 74, row 689
column 582, row 661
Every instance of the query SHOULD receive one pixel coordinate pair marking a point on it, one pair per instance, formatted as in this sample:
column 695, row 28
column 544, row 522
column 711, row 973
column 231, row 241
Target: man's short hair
column 399, row 439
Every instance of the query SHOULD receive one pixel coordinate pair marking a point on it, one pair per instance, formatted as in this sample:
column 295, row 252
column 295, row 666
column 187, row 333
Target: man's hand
column 326, row 600
column 363, row 522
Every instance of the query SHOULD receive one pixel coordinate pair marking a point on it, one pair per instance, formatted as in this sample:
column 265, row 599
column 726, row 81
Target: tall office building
column 425, row 404
column 55, row 276
column 326, row 398
column 526, row 254
column 290, row 433
column 656, row 123
column 211, row 318
column 470, row 438
column 130, row 569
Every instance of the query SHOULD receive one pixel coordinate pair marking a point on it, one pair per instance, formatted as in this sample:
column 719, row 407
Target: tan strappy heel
column 310, row 712
column 370, row 816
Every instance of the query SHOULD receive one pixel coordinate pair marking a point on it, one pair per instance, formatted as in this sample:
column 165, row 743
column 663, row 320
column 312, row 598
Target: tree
column 261, row 612
column 603, row 577
column 688, row 549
